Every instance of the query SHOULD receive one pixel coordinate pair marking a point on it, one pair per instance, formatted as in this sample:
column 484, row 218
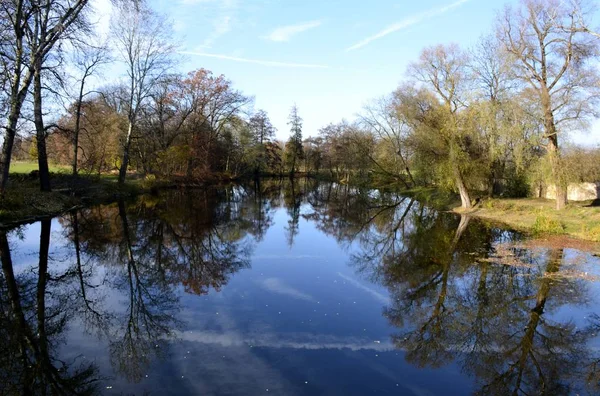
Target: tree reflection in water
column 463, row 292
column 155, row 245
column 150, row 247
column 32, row 327
column 459, row 291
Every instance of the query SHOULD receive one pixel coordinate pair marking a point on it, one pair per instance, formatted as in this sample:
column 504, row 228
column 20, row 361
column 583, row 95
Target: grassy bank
column 534, row 216
column 23, row 201
column 538, row 216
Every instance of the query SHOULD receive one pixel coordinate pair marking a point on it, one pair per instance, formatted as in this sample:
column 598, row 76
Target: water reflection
column 453, row 292
column 31, row 327
column 467, row 294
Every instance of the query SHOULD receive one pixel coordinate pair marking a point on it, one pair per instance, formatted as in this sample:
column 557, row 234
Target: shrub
column 545, row 225
column 592, row 233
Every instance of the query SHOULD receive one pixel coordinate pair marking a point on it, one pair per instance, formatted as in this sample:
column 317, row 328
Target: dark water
column 303, row 289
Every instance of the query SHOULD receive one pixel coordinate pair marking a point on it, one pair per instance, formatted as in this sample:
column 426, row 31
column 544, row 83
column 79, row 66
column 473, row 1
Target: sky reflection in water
column 292, row 289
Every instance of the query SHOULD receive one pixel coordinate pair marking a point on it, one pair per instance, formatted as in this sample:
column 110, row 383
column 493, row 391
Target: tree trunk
column 406, row 168
column 465, row 198
column 40, row 131
column 293, row 170
column 554, row 153
column 125, row 162
column 77, row 127
column 17, row 99
column 7, row 147
column 557, row 176
column 18, row 92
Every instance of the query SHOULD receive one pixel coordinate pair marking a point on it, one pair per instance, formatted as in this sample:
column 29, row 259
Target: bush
column 592, row 233
column 545, row 225
column 488, row 204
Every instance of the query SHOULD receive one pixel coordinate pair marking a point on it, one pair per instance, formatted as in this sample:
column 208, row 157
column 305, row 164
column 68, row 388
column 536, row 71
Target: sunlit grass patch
column 539, row 216
column 24, row 167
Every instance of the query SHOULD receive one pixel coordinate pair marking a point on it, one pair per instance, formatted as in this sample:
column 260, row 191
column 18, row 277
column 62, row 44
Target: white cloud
column 221, row 14
column 286, row 341
column 374, row 293
column 407, row 22
column 285, row 33
column 277, row 286
column 257, row 61
column 179, row 25
column 221, row 26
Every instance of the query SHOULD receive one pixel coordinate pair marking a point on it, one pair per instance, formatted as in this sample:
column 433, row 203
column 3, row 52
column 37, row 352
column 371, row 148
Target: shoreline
column 23, row 203
column 537, row 217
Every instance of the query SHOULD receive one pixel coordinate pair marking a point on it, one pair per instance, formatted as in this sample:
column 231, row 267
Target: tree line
column 489, row 119
column 486, row 120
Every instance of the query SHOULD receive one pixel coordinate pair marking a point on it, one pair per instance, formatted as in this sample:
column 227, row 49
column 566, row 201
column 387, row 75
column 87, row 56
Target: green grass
column 25, row 167
column 536, row 215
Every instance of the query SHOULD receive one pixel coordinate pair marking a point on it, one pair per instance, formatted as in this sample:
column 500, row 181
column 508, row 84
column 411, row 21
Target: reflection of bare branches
column 92, row 315
column 150, row 313
column 490, row 316
column 30, row 330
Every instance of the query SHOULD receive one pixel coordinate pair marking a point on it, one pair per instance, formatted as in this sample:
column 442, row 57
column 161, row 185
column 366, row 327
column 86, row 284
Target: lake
column 280, row 288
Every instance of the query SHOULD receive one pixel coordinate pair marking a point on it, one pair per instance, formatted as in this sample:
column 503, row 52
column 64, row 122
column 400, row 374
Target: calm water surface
column 292, row 289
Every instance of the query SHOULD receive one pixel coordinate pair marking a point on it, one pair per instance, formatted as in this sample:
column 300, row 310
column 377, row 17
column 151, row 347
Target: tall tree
column 143, row 42
column 46, row 68
column 87, row 61
column 444, row 69
column 261, row 127
column 262, row 132
column 215, row 108
column 294, row 150
column 508, row 133
column 552, row 58
column 22, row 20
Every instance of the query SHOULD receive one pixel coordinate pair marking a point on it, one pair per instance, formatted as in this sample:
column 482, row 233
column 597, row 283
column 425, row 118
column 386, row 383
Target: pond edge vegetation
column 482, row 124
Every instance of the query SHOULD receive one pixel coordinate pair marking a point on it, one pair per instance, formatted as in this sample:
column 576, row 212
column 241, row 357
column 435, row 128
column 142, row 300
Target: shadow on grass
column 595, row 203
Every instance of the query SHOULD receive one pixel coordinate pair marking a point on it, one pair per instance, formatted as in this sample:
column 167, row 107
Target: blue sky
column 329, row 57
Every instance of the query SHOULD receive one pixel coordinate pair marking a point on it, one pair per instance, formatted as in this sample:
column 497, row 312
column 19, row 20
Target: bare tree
column 46, row 68
column 551, row 57
column 46, row 21
column 142, row 39
column 261, row 127
column 87, row 61
column 382, row 118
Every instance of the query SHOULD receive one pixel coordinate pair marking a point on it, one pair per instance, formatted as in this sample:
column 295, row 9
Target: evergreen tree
column 294, row 151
